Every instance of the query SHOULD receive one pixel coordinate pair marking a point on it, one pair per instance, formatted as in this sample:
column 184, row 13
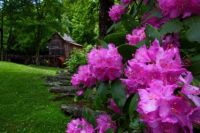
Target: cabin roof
column 65, row 38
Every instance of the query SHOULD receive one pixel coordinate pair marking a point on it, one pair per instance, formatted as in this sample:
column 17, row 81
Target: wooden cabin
column 60, row 49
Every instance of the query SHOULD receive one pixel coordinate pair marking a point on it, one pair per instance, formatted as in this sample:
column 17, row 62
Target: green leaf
column 172, row 26
column 112, row 27
column 135, row 124
column 116, row 38
column 118, row 93
column 133, row 106
column 152, row 33
column 192, row 34
column 119, row 130
column 101, row 96
column 129, row 22
column 102, row 43
column 195, row 58
column 89, row 116
column 110, row 130
column 195, row 68
column 126, row 51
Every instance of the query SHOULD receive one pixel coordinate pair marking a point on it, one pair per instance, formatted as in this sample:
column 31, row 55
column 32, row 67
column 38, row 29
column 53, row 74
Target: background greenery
column 28, row 24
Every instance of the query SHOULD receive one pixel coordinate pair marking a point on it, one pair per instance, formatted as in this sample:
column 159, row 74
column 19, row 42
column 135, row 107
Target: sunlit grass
column 25, row 103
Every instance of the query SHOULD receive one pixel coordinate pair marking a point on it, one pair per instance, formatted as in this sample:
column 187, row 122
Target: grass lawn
column 25, row 103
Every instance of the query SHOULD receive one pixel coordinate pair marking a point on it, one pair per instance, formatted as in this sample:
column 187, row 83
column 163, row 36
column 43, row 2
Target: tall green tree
column 83, row 19
column 29, row 23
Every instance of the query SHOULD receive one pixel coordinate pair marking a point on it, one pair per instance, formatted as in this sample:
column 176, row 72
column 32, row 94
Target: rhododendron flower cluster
column 83, row 79
column 137, row 36
column 154, row 63
column 105, row 64
column 104, row 122
column 161, row 110
column 79, row 126
column 177, row 8
column 116, row 12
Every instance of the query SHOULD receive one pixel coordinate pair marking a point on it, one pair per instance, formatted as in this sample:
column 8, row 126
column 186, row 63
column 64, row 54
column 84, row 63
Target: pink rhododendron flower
column 137, row 36
column 150, row 64
column 126, row 1
column 192, row 92
column 195, row 6
column 104, row 122
column 79, row 126
column 113, row 106
column 174, row 8
column 170, row 41
column 83, row 78
column 194, row 116
column 159, row 108
column 155, row 21
column 116, row 12
column 179, row 8
column 106, row 64
column 150, row 97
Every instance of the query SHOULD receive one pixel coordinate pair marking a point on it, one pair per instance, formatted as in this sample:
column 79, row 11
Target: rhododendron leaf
column 89, row 116
column 128, row 22
column 148, row 5
column 172, row 26
column 192, row 34
column 195, row 68
column 112, row 27
column 118, row 93
column 197, row 78
column 195, row 58
column 133, row 10
column 116, row 38
column 102, row 43
column 110, row 130
column 135, row 124
column 195, row 61
column 126, row 51
column 152, row 33
column 101, row 96
column 133, row 106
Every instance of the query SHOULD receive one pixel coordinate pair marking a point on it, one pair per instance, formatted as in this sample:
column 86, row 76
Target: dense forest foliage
column 28, row 24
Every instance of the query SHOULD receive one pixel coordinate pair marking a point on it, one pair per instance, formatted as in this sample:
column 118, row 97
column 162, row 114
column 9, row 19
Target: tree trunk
column 1, row 48
column 1, row 45
column 104, row 19
column 38, row 34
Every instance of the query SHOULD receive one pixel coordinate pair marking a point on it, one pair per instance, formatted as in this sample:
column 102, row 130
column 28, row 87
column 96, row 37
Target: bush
column 147, row 80
column 77, row 58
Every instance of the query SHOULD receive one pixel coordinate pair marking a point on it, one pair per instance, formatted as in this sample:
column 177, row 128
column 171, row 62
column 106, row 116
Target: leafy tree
column 83, row 17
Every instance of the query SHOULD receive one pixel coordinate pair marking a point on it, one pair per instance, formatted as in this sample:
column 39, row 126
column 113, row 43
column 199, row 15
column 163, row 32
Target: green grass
column 25, row 103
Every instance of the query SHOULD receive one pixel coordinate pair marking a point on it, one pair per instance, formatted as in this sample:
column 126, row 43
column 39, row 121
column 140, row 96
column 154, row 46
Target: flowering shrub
column 116, row 12
column 149, row 80
column 137, row 36
column 104, row 122
column 79, row 126
column 84, row 78
column 105, row 64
